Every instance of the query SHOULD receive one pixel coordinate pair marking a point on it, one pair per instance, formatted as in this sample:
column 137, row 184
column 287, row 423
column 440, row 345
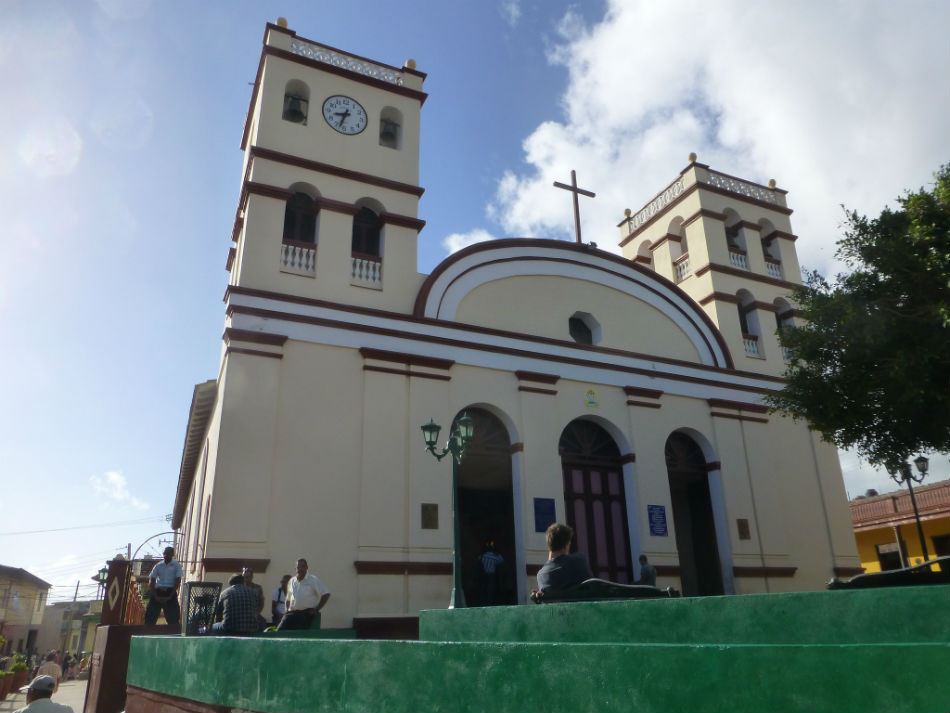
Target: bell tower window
column 300, row 219
column 366, row 233
column 390, row 128
column 296, row 102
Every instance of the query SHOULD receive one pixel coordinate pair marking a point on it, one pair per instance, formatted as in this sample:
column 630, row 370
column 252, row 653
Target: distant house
column 886, row 532
column 22, row 599
column 69, row 625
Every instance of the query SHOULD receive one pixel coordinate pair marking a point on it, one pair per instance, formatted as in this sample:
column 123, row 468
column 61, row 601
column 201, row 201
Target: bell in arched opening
column 295, row 109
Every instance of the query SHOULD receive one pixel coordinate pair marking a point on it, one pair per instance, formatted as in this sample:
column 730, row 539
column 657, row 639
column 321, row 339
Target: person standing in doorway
column 647, row 572
column 307, row 596
column 278, row 602
column 163, row 583
column 490, row 562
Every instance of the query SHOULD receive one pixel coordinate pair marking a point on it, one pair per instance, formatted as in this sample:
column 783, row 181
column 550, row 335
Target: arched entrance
column 693, row 517
column 594, row 499
column 486, row 509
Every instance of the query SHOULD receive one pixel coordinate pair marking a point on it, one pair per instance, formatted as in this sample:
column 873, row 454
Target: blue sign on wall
column 657, row 516
column 543, row 513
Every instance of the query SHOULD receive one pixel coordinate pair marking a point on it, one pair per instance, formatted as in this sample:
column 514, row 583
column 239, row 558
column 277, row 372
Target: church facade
column 619, row 394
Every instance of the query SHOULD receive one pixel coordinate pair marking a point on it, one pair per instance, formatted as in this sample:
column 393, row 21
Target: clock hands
column 344, row 115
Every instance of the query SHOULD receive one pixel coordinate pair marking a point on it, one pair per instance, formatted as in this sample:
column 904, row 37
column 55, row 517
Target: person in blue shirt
column 163, row 583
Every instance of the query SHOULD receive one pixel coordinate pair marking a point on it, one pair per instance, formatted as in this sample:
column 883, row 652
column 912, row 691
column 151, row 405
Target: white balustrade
column 366, row 272
column 738, row 259
column 298, row 259
column 774, row 269
column 682, row 268
column 751, row 344
column 338, row 59
column 657, row 204
column 743, row 188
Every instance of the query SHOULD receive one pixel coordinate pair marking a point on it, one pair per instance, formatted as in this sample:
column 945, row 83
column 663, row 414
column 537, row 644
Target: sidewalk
column 70, row 693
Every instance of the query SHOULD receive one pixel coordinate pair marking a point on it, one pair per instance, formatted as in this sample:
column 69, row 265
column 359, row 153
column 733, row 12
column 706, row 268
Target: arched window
column 300, row 219
column 749, row 323
column 366, row 228
column 296, row 102
column 735, row 240
column 390, row 128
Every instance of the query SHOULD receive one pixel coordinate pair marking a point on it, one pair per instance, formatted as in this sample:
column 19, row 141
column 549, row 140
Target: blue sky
column 120, row 126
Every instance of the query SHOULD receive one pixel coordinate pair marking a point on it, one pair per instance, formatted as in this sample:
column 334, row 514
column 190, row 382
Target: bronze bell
column 294, row 110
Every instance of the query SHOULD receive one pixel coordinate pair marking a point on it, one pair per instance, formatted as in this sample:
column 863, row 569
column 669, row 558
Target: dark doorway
column 594, row 499
column 696, row 543
column 486, row 512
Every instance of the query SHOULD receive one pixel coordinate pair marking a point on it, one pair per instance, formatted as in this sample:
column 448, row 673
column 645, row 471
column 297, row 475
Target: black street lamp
column 461, row 437
column 905, row 475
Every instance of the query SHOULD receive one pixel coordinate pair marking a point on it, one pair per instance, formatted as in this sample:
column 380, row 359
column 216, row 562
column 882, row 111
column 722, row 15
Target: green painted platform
column 870, row 650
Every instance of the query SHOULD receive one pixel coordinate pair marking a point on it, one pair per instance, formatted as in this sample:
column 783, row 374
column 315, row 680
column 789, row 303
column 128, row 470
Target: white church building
column 622, row 395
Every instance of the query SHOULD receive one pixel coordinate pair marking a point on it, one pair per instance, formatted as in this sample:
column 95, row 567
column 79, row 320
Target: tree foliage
column 869, row 368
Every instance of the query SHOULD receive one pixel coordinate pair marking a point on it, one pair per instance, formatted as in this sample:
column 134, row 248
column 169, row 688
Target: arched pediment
column 531, row 286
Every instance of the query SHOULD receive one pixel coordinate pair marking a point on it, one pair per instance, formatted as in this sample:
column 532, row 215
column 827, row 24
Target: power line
column 85, row 527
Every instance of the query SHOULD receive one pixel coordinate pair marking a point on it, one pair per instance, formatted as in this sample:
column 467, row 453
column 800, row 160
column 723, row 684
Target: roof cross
column 577, row 211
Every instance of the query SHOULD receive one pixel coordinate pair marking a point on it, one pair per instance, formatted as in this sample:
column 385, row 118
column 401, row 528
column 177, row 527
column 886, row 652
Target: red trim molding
column 234, row 564
column 736, row 272
column 407, row 372
column 247, row 335
column 644, row 393
column 402, row 568
column 405, row 358
column 253, row 352
column 739, row 405
column 537, row 376
column 774, row 572
column 534, row 390
column 320, row 167
column 738, row 417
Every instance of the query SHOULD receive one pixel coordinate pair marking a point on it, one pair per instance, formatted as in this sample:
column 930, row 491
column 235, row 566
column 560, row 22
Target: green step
column 888, row 615
column 320, row 676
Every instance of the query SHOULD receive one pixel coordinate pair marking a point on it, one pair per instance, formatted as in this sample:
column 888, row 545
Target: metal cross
column 577, row 211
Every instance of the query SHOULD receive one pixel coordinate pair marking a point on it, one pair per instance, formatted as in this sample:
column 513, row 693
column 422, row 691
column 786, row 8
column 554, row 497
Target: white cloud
column 113, row 486
column 841, row 103
column 511, row 11
column 457, row 241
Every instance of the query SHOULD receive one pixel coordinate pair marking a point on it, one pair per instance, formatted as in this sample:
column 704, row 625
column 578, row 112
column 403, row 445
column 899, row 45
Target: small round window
column 583, row 328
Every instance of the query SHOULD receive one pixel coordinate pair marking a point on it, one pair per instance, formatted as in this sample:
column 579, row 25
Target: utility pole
column 69, row 621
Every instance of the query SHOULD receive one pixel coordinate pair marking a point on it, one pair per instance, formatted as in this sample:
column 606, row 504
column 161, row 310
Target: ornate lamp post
column 905, row 475
column 460, row 439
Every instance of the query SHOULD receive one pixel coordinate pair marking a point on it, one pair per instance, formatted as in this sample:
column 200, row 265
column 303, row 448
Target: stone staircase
column 864, row 650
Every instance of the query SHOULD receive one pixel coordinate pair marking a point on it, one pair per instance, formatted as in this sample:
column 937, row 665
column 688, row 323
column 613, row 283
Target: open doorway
column 486, row 512
column 693, row 519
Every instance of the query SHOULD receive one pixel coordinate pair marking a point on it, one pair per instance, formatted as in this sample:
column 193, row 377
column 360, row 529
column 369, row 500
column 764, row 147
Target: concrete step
column 889, row 615
column 296, row 675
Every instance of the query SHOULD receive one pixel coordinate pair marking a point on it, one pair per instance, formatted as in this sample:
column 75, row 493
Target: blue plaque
column 543, row 513
column 657, row 517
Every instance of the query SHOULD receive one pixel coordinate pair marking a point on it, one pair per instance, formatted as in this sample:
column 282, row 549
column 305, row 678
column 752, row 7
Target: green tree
column 869, row 367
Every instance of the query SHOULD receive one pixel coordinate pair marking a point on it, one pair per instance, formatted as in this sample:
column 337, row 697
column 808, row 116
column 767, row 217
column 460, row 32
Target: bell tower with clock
column 330, row 191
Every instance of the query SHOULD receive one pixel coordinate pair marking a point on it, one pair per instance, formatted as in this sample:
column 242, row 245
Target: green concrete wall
column 882, row 650
column 411, row 677
column 887, row 615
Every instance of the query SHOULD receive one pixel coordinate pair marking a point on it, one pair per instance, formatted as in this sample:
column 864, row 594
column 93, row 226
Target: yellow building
column 22, row 600
column 622, row 395
column 886, row 531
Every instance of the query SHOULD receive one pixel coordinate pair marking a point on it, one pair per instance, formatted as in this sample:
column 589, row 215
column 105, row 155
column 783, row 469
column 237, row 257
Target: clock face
column 344, row 114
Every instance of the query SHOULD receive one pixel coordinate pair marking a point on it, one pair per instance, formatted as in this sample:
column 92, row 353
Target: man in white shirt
column 278, row 602
column 163, row 583
column 306, row 597
column 38, row 697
